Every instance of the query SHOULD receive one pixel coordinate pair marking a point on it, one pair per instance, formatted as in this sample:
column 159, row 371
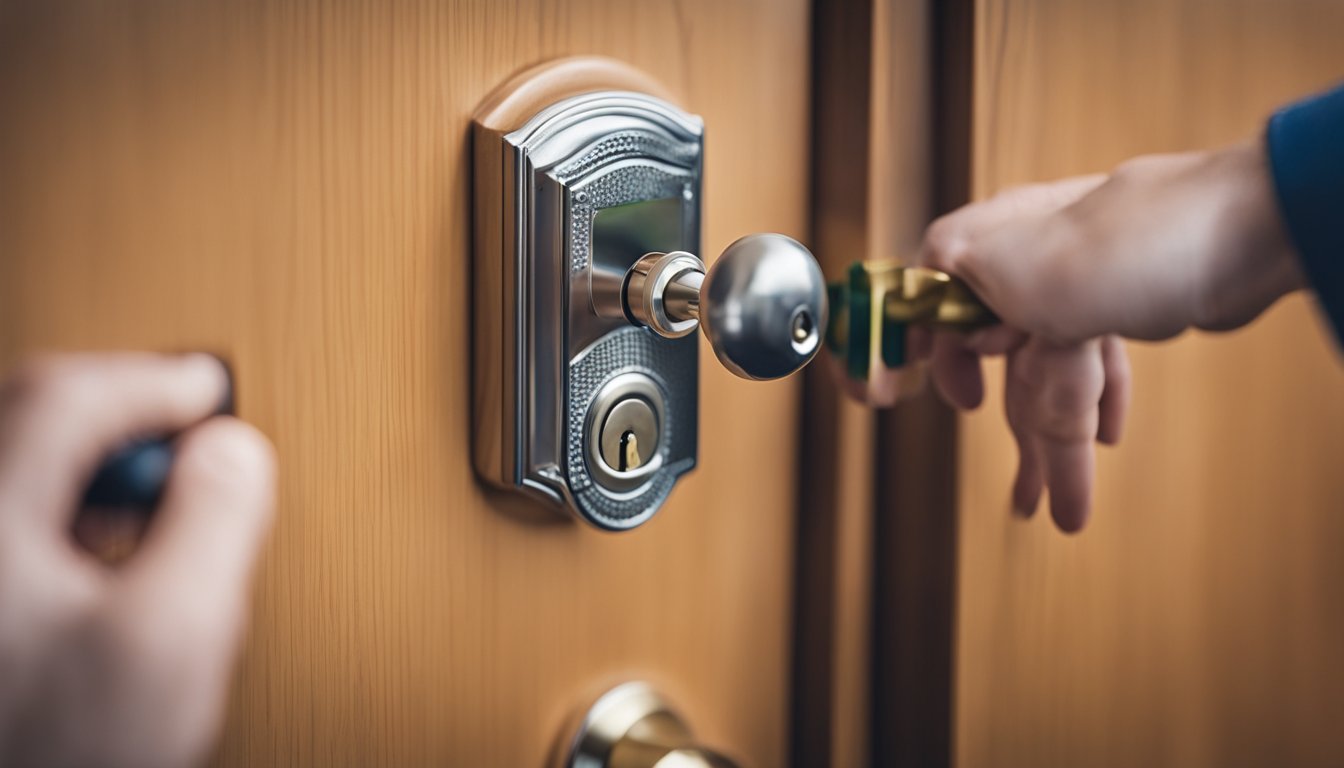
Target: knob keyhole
column 802, row 326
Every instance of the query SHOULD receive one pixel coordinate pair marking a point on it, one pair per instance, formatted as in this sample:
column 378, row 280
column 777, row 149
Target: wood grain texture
column 1197, row 620
column 288, row 183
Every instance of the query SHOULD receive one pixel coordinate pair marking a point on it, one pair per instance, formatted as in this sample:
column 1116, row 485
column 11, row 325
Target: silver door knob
column 762, row 305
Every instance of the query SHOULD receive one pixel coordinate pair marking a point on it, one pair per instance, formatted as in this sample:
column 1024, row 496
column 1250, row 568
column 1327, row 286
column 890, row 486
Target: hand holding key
column 1162, row 244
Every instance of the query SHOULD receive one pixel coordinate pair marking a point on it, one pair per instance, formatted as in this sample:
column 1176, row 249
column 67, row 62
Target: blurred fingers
column 61, row 415
column 1029, row 483
column 1114, row 406
column 111, row 535
column 1069, row 470
column 195, row 562
column 918, row 343
column 995, row 340
column 956, row 371
column 1057, row 393
column 883, row 388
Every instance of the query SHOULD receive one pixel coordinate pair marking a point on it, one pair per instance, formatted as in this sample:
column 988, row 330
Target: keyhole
column 629, row 453
column 802, row 326
column 803, row 332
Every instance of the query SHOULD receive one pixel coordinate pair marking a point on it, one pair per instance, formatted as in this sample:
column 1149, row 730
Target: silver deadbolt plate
column 573, row 404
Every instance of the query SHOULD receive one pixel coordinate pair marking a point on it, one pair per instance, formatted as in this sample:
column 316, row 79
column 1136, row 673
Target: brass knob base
column 633, row 726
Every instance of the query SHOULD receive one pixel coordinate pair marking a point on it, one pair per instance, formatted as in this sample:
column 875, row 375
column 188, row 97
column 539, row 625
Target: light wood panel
column 1198, row 619
column 288, row 183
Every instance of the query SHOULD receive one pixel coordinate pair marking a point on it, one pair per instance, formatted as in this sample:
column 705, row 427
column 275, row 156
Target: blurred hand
column 1162, row 244
column 124, row 667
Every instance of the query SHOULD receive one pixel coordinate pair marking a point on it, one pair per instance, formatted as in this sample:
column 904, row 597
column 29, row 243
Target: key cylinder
column 626, row 432
column 629, row 434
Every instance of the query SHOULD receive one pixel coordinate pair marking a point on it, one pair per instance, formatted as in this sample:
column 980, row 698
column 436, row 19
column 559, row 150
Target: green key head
column 857, row 311
column 873, row 309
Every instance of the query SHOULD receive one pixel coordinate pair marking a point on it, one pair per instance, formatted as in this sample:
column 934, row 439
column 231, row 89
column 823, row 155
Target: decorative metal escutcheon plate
column 568, row 195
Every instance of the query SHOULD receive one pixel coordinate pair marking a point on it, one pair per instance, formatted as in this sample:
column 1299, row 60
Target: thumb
column 1031, row 275
column 1013, row 250
column 195, row 564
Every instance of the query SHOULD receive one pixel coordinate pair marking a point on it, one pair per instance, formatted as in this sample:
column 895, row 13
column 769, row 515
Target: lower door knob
column 633, row 726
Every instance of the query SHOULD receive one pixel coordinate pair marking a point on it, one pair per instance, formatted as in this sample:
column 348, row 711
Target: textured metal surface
column 673, row 365
column 633, row 143
column 619, row 187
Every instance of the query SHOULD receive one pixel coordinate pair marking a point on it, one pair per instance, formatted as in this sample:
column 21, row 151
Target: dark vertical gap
column 914, row 585
column 811, row 710
column 953, row 23
column 915, row 525
column 841, row 54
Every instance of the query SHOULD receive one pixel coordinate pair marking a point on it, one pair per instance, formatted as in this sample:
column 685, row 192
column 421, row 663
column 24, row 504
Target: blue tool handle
column 134, row 476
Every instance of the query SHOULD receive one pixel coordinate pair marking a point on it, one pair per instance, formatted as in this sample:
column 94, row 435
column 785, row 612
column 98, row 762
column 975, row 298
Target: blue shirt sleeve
column 1305, row 144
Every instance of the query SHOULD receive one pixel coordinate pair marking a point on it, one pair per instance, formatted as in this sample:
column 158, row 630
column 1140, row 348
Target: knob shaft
column 762, row 305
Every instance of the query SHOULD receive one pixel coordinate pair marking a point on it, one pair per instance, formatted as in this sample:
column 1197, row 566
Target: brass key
column 872, row 310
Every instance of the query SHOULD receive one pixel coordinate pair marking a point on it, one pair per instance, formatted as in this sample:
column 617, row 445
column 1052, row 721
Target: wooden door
column 288, row 184
column 1197, row 620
